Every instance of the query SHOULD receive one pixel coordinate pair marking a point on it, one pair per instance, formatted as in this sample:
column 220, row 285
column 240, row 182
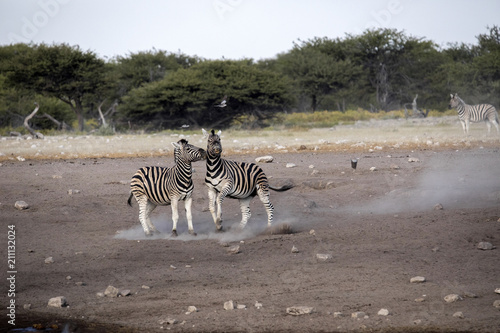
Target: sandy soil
column 379, row 229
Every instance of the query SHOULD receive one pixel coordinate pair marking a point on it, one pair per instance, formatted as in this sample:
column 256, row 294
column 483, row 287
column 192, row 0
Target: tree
column 188, row 95
column 61, row 71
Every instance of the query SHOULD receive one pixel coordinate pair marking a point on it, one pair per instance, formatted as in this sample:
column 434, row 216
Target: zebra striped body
column 154, row 186
column 474, row 113
column 241, row 181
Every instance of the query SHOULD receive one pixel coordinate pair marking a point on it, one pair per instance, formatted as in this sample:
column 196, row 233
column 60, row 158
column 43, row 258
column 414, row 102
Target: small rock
column 451, row 298
column 49, row 260
column 358, row 314
column 56, row 176
column 458, row 314
column 383, row 312
column 20, row 158
column 417, row 279
column 413, row 159
column 68, row 277
column 294, row 249
column 241, row 307
column 168, row 321
column 299, row 310
column 420, row 299
column 395, row 167
column 264, row 159
column 111, row 291
column 497, row 290
column 80, row 283
column 145, row 287
column 71, row 192
column 124, row 292
column 234, row 249
column 438, row 207
column 58, row 302
column 173, row 267
column 338, row 315
column 312, row 232
column 290, row 165
column 21, row 205
column 496, row 304
column 229, row 305
column 323, row 256
column 468, row 294
column 373, row 169
column 27, row 306
column 192, row 309
column 258, row 305
column 485, row 246
column 99, row 294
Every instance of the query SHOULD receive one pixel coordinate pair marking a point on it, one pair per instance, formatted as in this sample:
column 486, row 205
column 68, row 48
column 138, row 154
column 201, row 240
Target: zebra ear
column 451, row 95
column 219, row 133
column 205, row 133
column 176, row 145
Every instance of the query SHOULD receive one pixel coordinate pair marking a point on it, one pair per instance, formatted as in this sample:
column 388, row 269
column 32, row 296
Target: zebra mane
column 213, row 132
column 182, row 141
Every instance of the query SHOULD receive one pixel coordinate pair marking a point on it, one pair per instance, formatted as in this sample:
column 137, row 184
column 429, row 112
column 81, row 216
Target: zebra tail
column 283, row 188
column 129, row 201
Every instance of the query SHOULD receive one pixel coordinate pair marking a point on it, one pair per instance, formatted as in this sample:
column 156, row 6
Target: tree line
column 380, row 69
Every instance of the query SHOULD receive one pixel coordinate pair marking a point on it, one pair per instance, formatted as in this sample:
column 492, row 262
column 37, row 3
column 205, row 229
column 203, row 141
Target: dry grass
column 394, row 134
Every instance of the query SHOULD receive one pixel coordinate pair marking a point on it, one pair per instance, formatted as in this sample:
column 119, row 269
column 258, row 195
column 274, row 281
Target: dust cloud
column 464, row 180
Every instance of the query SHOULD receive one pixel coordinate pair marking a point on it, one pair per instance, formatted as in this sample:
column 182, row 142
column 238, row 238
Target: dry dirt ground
column 378, row 229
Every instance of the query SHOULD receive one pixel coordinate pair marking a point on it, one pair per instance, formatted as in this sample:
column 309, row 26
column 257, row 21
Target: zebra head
column 214, row 147
column 454, row 101
column 183, row 151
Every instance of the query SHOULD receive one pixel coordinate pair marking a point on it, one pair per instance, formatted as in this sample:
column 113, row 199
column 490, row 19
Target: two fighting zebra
column 153, row 186
column 474, row 113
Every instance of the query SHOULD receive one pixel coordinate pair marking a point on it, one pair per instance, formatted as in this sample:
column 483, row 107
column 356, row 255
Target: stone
column 417, row 279
column 451, row 298
column 338, row 315
column 395, row 167
column 264, row 159
column 468, row 294
column 145, row 287
column 438, row 206
column 21, row 205
column 241, row 307
column 290, row 165
column 124, row 292
column 258, row 305
column 71, row 192
column 20, row 158
column 192, row 309
column 358, row 314
column 312, row 232
column 383, row 312
column 99, row 294
column 458, row 314
column 68, row 277
column 420, row 299
column 413, row 159
column 496, row 304
column 229, row 305
column 485, row 246
column 27, row 306
column 373, row 169
column 234, row 249
column 49, row 260
column 168, row 321
column 497, row 290
column 299, row 310
column 294, row 249
column 111, row 292
column 323, row 256
column 58, row 302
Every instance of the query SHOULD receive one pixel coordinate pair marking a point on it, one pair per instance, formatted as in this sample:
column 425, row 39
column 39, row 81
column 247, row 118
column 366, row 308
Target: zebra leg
column 187, row 204
column 245, row 211
column 145, row 209
column 264, row 197
column 467, row 124
column 212, row 197
column 175, row 215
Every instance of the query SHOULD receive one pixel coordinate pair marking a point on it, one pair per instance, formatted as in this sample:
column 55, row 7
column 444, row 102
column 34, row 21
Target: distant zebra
column 153, row 186
column 237, row 180
column 474, row 113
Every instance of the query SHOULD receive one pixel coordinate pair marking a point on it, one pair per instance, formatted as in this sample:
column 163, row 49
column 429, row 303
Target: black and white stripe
column 474, row 113
column 237, row 180
column 153, row 186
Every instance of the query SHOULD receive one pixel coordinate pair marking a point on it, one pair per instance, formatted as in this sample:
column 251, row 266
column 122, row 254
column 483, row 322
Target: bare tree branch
column 35, row 135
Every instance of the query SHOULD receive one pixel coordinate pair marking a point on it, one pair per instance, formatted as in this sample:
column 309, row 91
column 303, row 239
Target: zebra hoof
column 174, row 233
column 220, row 229
column 191, row 232
column 148, row 234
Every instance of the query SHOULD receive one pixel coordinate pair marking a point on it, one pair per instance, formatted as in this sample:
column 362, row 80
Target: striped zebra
column 237, row 180
column 153, row 186
column 474, row 113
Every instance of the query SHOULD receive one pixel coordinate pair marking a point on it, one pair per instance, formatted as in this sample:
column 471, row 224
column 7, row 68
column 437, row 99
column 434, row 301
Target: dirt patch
column 374, row 229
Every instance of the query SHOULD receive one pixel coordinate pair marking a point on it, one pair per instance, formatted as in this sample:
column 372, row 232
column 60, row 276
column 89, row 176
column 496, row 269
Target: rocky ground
column 350, row 243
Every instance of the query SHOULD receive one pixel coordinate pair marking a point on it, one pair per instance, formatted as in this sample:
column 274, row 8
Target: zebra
column 474, row 113
column 153, row 186
column 237, row 180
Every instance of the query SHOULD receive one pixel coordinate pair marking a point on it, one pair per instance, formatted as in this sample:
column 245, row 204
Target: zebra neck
column 461, row 109
column 213, row 161
column 184, row 167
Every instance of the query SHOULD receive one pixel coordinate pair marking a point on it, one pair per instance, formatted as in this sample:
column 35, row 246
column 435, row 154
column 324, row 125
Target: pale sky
column 233, row 29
